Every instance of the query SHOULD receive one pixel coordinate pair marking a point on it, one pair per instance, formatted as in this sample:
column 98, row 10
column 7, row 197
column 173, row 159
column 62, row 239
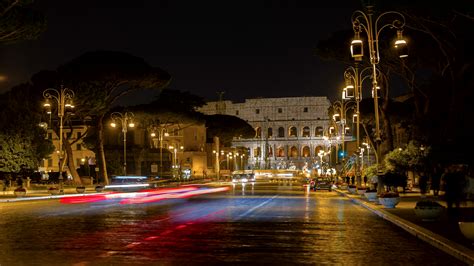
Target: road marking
column 258, row 206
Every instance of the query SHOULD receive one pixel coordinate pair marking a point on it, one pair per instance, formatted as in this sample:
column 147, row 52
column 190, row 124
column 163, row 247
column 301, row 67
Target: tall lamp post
column 63, row 98
column 373, row 26
column 162, row 133
column 127, row 121
column 354, row 79
column 340, row 109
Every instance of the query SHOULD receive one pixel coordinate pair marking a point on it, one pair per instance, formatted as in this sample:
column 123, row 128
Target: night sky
column 246, row 48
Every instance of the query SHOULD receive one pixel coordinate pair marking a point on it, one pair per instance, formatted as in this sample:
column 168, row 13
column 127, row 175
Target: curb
column 454, row 249
column 28, row 198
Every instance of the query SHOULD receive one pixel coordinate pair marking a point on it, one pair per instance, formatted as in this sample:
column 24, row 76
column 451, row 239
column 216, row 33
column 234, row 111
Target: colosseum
column 288, row 131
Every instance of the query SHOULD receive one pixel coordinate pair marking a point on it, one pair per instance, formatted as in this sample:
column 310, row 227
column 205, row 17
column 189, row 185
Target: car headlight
column 234, row 180
column 244, row 179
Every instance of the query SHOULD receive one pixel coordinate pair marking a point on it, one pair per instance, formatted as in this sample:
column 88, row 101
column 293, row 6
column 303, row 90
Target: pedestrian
column 19, row 181
column 5, row 185
column 423, row 183
column 436, row 180
column 352, row 180
column 454, row 182
column 347, row 179
column 365, row 180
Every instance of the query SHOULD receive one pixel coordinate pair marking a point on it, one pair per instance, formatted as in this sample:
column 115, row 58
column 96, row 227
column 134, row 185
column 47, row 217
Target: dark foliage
column 227, row 127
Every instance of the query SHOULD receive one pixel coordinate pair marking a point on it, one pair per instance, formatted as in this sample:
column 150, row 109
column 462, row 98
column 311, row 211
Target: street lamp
column 322, row 154
column 174, row 160
column 364, row 22
column 340, row 109
column 63, row 98
column 367, row 145
column 161, row 133
column 127, row 121
column 354, row 79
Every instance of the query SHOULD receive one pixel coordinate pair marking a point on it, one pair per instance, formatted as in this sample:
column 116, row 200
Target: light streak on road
column 173, row 195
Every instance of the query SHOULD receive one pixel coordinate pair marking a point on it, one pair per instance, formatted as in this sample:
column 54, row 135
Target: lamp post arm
column 356, row 19
column 397, row 23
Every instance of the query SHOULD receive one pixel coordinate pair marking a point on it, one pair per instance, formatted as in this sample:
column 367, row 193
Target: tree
column 227, row 127
column 99, row 79
column 19, row 21
column 170, row 107
column 22, row 141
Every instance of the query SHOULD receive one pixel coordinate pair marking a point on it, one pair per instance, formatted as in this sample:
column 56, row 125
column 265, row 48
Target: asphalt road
column 265, row 223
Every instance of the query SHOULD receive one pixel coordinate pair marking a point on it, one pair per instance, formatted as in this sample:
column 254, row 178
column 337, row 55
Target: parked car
column 323, row 184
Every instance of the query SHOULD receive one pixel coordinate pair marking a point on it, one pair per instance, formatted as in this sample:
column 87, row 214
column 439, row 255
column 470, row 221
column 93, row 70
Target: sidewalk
column 39, row 194
column 443, row 233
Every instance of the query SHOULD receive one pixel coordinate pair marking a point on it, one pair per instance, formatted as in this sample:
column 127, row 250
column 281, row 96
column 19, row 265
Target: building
column 182, row 150
column 288, row 131
column 73, row 134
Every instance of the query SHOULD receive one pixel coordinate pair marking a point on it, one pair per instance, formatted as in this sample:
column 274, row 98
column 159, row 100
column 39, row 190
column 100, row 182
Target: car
column 243, row 178
column 323, row 184
column 128, row 183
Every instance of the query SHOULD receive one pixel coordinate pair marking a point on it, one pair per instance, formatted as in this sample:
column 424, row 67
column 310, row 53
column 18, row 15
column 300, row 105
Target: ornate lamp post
column 354, row 79
column 63, row 98
column 127, row 121
column 367, row 145
column 340, row 109
column 162, row 133
column 365, row 22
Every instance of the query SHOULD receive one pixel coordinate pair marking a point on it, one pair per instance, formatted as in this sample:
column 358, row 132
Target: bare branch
column 14, row 3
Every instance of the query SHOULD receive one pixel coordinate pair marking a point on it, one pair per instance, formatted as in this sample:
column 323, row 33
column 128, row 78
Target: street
column 264, row 223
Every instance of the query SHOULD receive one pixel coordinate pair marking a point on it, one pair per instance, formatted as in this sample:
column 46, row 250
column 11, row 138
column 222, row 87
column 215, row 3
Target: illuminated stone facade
column 288, row 131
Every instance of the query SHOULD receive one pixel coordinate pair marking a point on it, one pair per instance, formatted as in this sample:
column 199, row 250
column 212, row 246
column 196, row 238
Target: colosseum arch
column 317, row 149
column 292, row 132
column 280, row 152
column 306, row 132
column 306, row 152
column 318, row 132
column 258, row 132
column 293, row 152
column 269, row 132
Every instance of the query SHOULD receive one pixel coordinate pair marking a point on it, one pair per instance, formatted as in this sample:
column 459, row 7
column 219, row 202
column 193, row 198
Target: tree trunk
column 70, row 163
column 100, row 151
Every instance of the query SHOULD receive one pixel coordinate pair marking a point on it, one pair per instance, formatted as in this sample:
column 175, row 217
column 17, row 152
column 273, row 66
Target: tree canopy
column 19, row 21
column 227, row 127
column 22, row 140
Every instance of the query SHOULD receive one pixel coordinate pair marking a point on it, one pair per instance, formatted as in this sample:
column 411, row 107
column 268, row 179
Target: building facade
column 289, row 132
column 183, row 150
column 171, row 151
column 80, row 153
